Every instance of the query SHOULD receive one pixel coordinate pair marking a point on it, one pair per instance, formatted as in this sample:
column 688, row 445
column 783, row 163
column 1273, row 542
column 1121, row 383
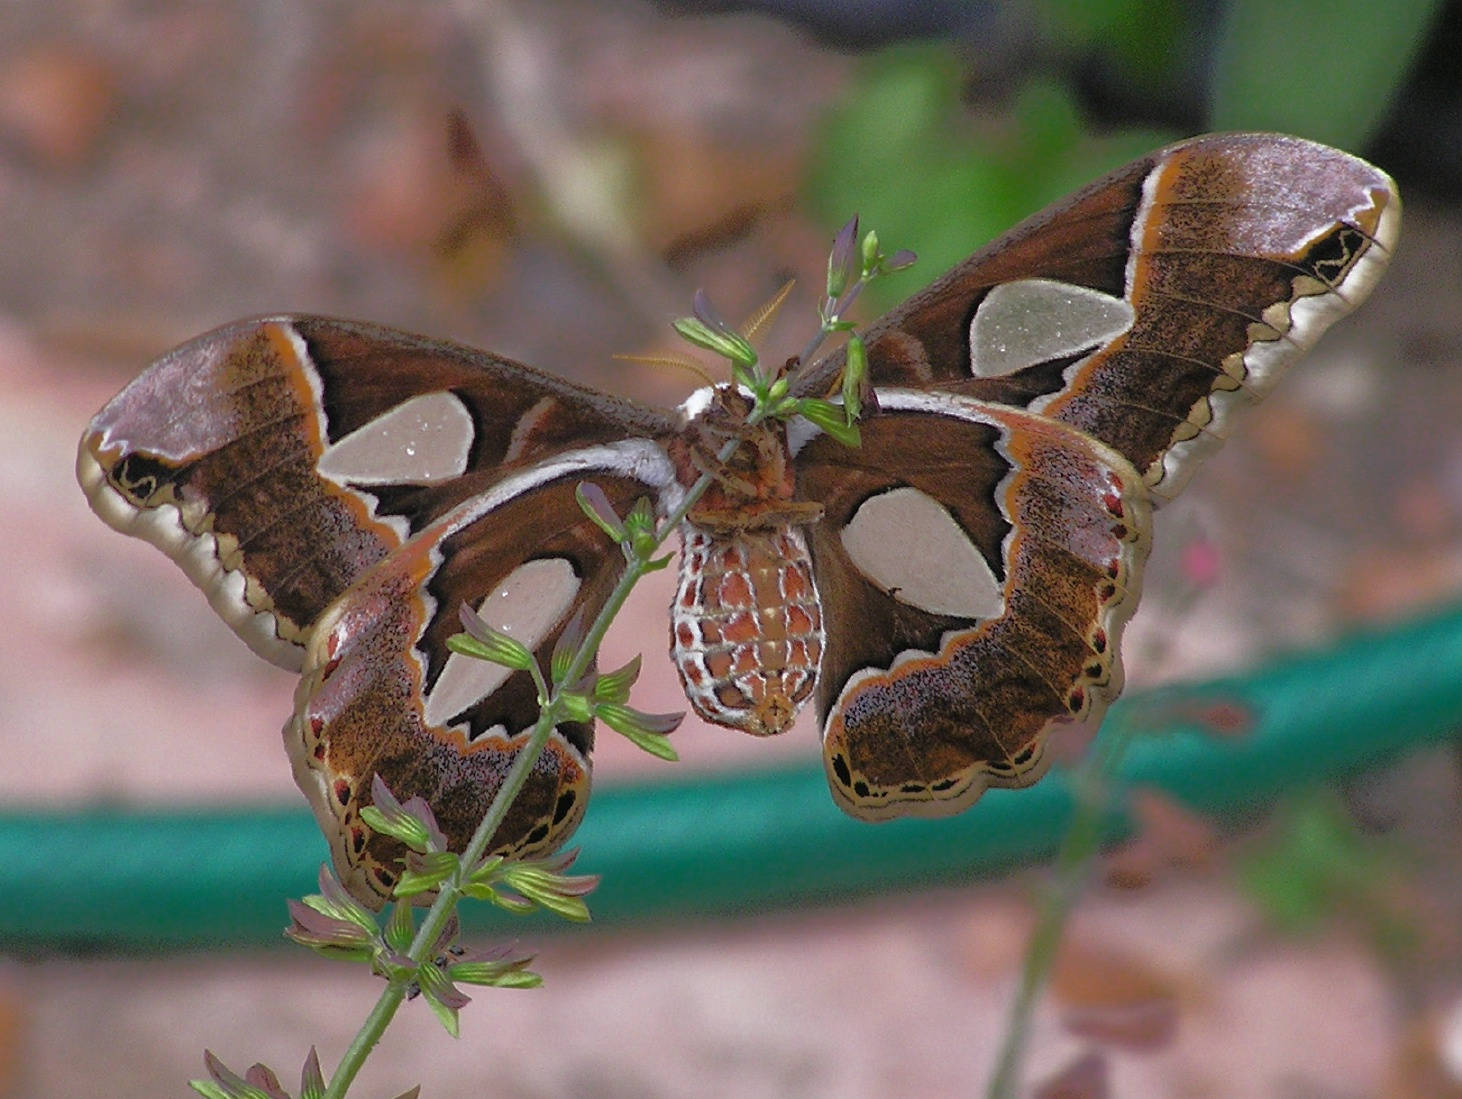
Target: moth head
column 729, row 406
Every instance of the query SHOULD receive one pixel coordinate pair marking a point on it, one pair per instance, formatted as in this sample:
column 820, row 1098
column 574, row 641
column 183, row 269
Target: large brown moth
column 947, row 592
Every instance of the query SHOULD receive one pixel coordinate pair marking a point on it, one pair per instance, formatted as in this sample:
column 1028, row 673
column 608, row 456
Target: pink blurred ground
column 165, row 170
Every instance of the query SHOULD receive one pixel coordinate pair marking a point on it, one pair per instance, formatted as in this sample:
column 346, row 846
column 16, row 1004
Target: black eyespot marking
column 563, row 806
column 1331, row 257
column 139, row 477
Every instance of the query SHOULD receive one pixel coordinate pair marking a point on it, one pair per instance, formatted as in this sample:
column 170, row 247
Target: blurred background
column 554, row 179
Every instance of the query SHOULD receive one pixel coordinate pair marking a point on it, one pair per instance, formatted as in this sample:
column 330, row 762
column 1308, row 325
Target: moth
column 945, row 594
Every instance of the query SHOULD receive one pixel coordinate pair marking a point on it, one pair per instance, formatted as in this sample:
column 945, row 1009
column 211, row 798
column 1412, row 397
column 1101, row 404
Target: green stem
column 440, row 911
column 365, row 1039
column 1092, row 793
column 548, row 717
column 830, row 324
column 435, row 920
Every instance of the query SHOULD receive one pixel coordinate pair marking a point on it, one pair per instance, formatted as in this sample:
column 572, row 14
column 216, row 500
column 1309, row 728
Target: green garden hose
column 118, row 879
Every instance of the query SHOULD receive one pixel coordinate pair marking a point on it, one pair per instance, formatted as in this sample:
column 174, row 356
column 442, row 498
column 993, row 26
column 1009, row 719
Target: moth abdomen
column 746, row 626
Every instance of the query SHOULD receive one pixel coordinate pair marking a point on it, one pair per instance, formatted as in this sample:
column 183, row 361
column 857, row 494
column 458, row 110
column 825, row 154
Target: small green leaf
column 742, row 354
column 407, row 830
column 731, row 346
column 440, row 995
column 534, row 878
column 641, row 518
column 518, row 906
column 479, row 973
column 432, row 979
column 486, row 643
column 645, row 731
column 869, row 254
column 493, row 974
column 478, row 891
column 435, row 863
column 842, row 261
column 619, row 716
column 594, row 503
column 653, row 743
column 658, row 563
column 560, row 893
column 574, row 706
column 572, row 909
column 750, row 379
column 524, row 979
column 400, row 928
column 496, row 967
column 899, row 261
column 543, row 893
column 831, row 419
column 555, row 868
column 641, row 537
column 614, row 686
column 334, row 901
column 328, row 935
column 312, row 1080
column 488, row 870
column 413, row 822
column 227, row 1084
column 567, row 647
column 427, row 872
column 855, row 373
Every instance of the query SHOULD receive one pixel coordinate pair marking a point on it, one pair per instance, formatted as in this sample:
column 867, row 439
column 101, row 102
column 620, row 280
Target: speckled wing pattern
column 340, row 490
column 1072, row 373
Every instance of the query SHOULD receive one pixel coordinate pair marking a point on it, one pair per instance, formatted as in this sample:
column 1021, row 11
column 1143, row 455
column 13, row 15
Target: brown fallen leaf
column 1168, row 835
column 1084, row 1078
column 1110, row 995
column 55, row 101
column 1427, row 1063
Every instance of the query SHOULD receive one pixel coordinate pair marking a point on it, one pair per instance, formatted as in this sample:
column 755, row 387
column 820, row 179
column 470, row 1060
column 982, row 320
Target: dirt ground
column 167, row 167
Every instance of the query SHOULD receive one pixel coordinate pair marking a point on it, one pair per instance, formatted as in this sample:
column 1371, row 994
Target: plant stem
column 830, row 324
column 445, row 904
column 1091, row 789
column 638, row 563
column 441, row 909
column 365, row 1039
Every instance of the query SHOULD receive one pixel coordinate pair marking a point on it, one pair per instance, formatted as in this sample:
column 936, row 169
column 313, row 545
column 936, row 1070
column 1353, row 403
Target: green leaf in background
column 1141, row 39
column 904, row 153
column 1316, row 866
column 1323, row 71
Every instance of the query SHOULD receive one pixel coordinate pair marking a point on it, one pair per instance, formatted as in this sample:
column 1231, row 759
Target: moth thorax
column 746, row 626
